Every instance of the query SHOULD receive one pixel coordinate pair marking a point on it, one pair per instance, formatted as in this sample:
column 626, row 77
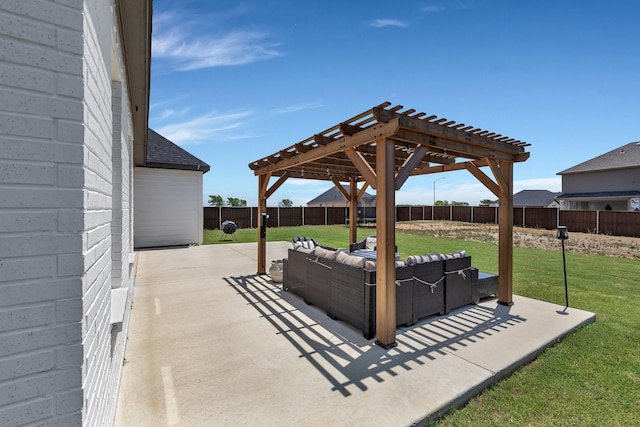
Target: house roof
column 134, row 22
column 534, row 198
column 601, row 195
column 162, row 153
column 334, row 195
column 627, row 156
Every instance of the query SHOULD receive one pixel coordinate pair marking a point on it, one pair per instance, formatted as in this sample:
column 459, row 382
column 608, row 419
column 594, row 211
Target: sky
column 235, row 81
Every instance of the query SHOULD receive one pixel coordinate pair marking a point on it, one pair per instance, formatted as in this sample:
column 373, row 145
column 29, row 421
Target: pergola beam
column 339, row 144
column 386, row 243
column 276, row 185
column 409, row 165
column 484, row 179
column 363, row 167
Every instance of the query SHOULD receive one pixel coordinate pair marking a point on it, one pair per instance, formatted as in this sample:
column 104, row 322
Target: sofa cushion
column 324, row 253
column 298, row 247
column 454, row 255
column 351, row 260
column 421, row 259
column 371, row 242
column 371, row 265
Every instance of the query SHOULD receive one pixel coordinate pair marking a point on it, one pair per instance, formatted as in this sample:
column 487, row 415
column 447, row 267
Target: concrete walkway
column 213, row 344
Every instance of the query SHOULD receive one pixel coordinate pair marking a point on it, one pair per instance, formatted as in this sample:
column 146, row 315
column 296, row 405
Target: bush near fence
column 615, row 223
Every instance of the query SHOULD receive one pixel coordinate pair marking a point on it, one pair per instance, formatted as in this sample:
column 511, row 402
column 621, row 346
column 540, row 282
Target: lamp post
column 562, row 235
column 434, row 189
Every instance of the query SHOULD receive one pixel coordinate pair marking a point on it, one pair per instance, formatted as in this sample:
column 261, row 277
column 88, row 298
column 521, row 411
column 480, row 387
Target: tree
column 235, row 202
column 486, row 202
column 286, row 203
column 216, row 200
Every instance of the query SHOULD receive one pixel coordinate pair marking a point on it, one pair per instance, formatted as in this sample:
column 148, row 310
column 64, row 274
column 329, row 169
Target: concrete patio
column 212, row 343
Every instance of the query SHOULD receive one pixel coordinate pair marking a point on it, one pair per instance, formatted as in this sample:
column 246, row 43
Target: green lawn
column 591, row 378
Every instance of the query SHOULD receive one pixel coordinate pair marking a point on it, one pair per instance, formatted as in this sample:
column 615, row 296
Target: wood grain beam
column 276, row 185
column 362, row 191
column 497, row 173
column 483, row 178
column 385, row 252
column 365, row 168
column 369, row 134
column 409, row 165
column 505, row 236
column 340, row 188
column 353, row 210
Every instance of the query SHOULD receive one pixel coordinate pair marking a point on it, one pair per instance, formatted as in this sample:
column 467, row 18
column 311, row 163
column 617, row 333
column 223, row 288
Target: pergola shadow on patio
column 381, row 148
column 350, row 362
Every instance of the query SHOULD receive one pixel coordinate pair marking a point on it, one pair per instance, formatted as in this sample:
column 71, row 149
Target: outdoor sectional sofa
column 344, row 285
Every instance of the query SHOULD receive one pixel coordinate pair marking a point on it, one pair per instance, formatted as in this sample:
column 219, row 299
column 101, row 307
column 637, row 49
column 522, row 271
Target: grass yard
column 591, row 378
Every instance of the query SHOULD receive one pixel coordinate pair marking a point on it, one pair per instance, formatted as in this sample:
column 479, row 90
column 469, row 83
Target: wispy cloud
column 210, row 127
column 165, row 114
column 295, row 108
column 380, row 23
column 435, row 8
column 432, row 8
column 189, row 45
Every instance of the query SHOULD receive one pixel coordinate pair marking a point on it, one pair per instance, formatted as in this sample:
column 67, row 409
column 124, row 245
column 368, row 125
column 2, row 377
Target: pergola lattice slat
column 382, row 147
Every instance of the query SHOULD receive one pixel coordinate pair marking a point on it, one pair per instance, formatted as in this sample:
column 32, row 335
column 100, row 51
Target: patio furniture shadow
column 348, row 360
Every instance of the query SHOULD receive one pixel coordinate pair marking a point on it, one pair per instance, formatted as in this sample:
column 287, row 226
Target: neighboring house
column 609, row 181
column 168, row 195
column 334, row 198
column 534, row 199
column 74, row 85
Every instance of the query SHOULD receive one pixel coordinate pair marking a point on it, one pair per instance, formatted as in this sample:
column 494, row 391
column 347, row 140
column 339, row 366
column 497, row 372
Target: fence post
column 472, row 214
column 450, row 212
column 495, row 211
column 303, row 215
column 597, row 222
column 278, row 216
column 524, row 224
column 219, row 217
column 558, row 217
column 325, row 215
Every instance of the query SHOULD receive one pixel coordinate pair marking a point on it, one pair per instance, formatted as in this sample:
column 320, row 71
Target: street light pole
column 434, row 189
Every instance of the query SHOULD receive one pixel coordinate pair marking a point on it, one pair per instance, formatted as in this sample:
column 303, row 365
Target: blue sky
column 232, row 82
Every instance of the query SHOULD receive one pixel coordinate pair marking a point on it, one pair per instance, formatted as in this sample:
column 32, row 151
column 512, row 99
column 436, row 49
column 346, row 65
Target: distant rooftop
column 162, row 153
column 627, row 156
column 334, row 195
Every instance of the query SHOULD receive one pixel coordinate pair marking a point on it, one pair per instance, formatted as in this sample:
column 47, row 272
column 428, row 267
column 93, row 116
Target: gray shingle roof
column 334, row 195
column 627, row 156
column 534, row 198
column 162, row 153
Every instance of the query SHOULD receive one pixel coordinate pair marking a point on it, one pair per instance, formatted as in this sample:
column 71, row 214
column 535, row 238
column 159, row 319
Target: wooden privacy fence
column 616, row 223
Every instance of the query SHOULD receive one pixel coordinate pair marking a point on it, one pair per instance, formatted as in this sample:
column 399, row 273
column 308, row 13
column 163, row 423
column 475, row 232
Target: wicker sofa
column 345, row 286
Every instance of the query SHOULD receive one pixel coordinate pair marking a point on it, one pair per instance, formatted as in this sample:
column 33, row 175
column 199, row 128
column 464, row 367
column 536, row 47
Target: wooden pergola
column 381, row 148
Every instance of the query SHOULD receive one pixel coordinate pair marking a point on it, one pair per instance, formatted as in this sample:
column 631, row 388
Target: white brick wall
column 40, row 282
column 59, row 362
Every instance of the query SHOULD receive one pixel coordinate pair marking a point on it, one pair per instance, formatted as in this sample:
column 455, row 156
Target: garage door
column 167, row 207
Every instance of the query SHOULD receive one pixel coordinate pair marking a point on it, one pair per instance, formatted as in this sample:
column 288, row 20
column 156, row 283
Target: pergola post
column 386, row 243
column 505, row 231
column 263, row 181
column 353, row 210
